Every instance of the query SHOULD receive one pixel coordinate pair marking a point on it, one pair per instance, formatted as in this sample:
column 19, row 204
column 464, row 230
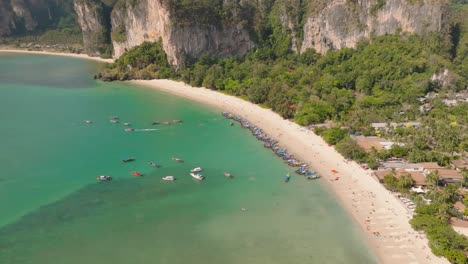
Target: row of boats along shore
column 270, row 143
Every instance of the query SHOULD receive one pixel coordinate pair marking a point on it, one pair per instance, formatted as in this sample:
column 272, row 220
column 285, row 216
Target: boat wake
column 145, row 129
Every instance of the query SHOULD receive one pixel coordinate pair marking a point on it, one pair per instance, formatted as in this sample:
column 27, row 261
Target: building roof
column 460, row 164
column 394, row 125
column 448, row 173
column 418, row 178
column 368, row 142
column 460, row 206
column 429, row 165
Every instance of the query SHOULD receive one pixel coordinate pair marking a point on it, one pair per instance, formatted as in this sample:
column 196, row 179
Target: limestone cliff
column 230, row 27
column 343, row 23
column 184, row 33
column 29, row 16
column 92, row 20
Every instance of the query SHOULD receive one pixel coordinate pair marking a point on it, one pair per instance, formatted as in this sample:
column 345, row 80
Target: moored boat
column 127, row 124
column 197, row 176
column 177, row 159
column 168, row 178
column 88, row 122
column 129, row 159
column 103, row 178
column 154, row 164
column 287, row 177
column 129, row 129
column 176, row 121
column 114, row 121
column 197, row 169
column 313, row 177
column 137, row 174
column 228, row 175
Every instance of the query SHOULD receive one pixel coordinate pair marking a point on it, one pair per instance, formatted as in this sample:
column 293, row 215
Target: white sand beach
column 373, row 207
column 74, row 55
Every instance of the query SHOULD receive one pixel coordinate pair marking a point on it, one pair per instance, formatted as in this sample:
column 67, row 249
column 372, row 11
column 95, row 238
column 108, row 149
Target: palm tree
column 433, row 179
column 465, row 178
column 405, row 182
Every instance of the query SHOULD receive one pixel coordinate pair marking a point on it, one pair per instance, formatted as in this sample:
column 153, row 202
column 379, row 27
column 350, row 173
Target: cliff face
column 28, row 16
column 343, row 23
column 91, row 18
column 228, row 27
column 225, row 28
column 182, row 38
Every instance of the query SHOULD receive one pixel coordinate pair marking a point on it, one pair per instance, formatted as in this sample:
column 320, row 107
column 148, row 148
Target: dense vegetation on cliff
column 379, row 81
column 40, row 23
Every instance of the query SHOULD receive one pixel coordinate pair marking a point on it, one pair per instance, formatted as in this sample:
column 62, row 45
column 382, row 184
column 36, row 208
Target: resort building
column 460, row 164
column 418, row 178
column 367, row 143
column 385, row 126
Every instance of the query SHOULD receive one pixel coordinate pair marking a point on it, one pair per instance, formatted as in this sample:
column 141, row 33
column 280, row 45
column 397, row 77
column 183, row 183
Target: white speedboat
column 197, row 176
column 88, row 121
column 168, row 178
column 177, row 159
column 104, row 178
column 129, row 129
column 127, row 124
column 197, row 169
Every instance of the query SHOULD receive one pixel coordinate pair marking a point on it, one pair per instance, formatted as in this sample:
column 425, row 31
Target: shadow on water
column 61, row 72
column 106, row 212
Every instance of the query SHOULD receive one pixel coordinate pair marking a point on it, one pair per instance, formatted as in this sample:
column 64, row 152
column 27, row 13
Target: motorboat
column 137, row 174
column 127, row 124
column 129, row 129
column 197, row 169
column 287, row 177
column 129, row 159
column 103, row 178
column 177, row 159
column 114, row 121
column 114, row 117
column 88, row 121
column 228, row 175
column 313, row 177
column 167, row 123
column 197, row 176
column 176, row 121
column 155, row 123
column 168, row 178
column 154, row 164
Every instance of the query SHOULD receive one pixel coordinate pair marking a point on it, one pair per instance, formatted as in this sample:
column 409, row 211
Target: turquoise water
column 54, row 211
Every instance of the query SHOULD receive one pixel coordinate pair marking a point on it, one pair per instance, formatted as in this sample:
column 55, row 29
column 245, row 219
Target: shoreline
column 73, row 55
column 370, row 205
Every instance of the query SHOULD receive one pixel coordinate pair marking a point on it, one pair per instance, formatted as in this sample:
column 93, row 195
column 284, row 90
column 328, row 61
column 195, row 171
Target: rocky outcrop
column 149, row 20
column 343, row 23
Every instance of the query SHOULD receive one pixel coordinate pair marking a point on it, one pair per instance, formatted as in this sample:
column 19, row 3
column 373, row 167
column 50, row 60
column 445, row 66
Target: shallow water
column 54, row 211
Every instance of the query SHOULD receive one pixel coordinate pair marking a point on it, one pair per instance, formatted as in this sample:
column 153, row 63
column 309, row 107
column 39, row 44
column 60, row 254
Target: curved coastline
column 373, row 207
column 73, row 55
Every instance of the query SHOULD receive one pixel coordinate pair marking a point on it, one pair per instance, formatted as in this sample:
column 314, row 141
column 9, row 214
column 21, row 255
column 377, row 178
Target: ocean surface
column 52, row 209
